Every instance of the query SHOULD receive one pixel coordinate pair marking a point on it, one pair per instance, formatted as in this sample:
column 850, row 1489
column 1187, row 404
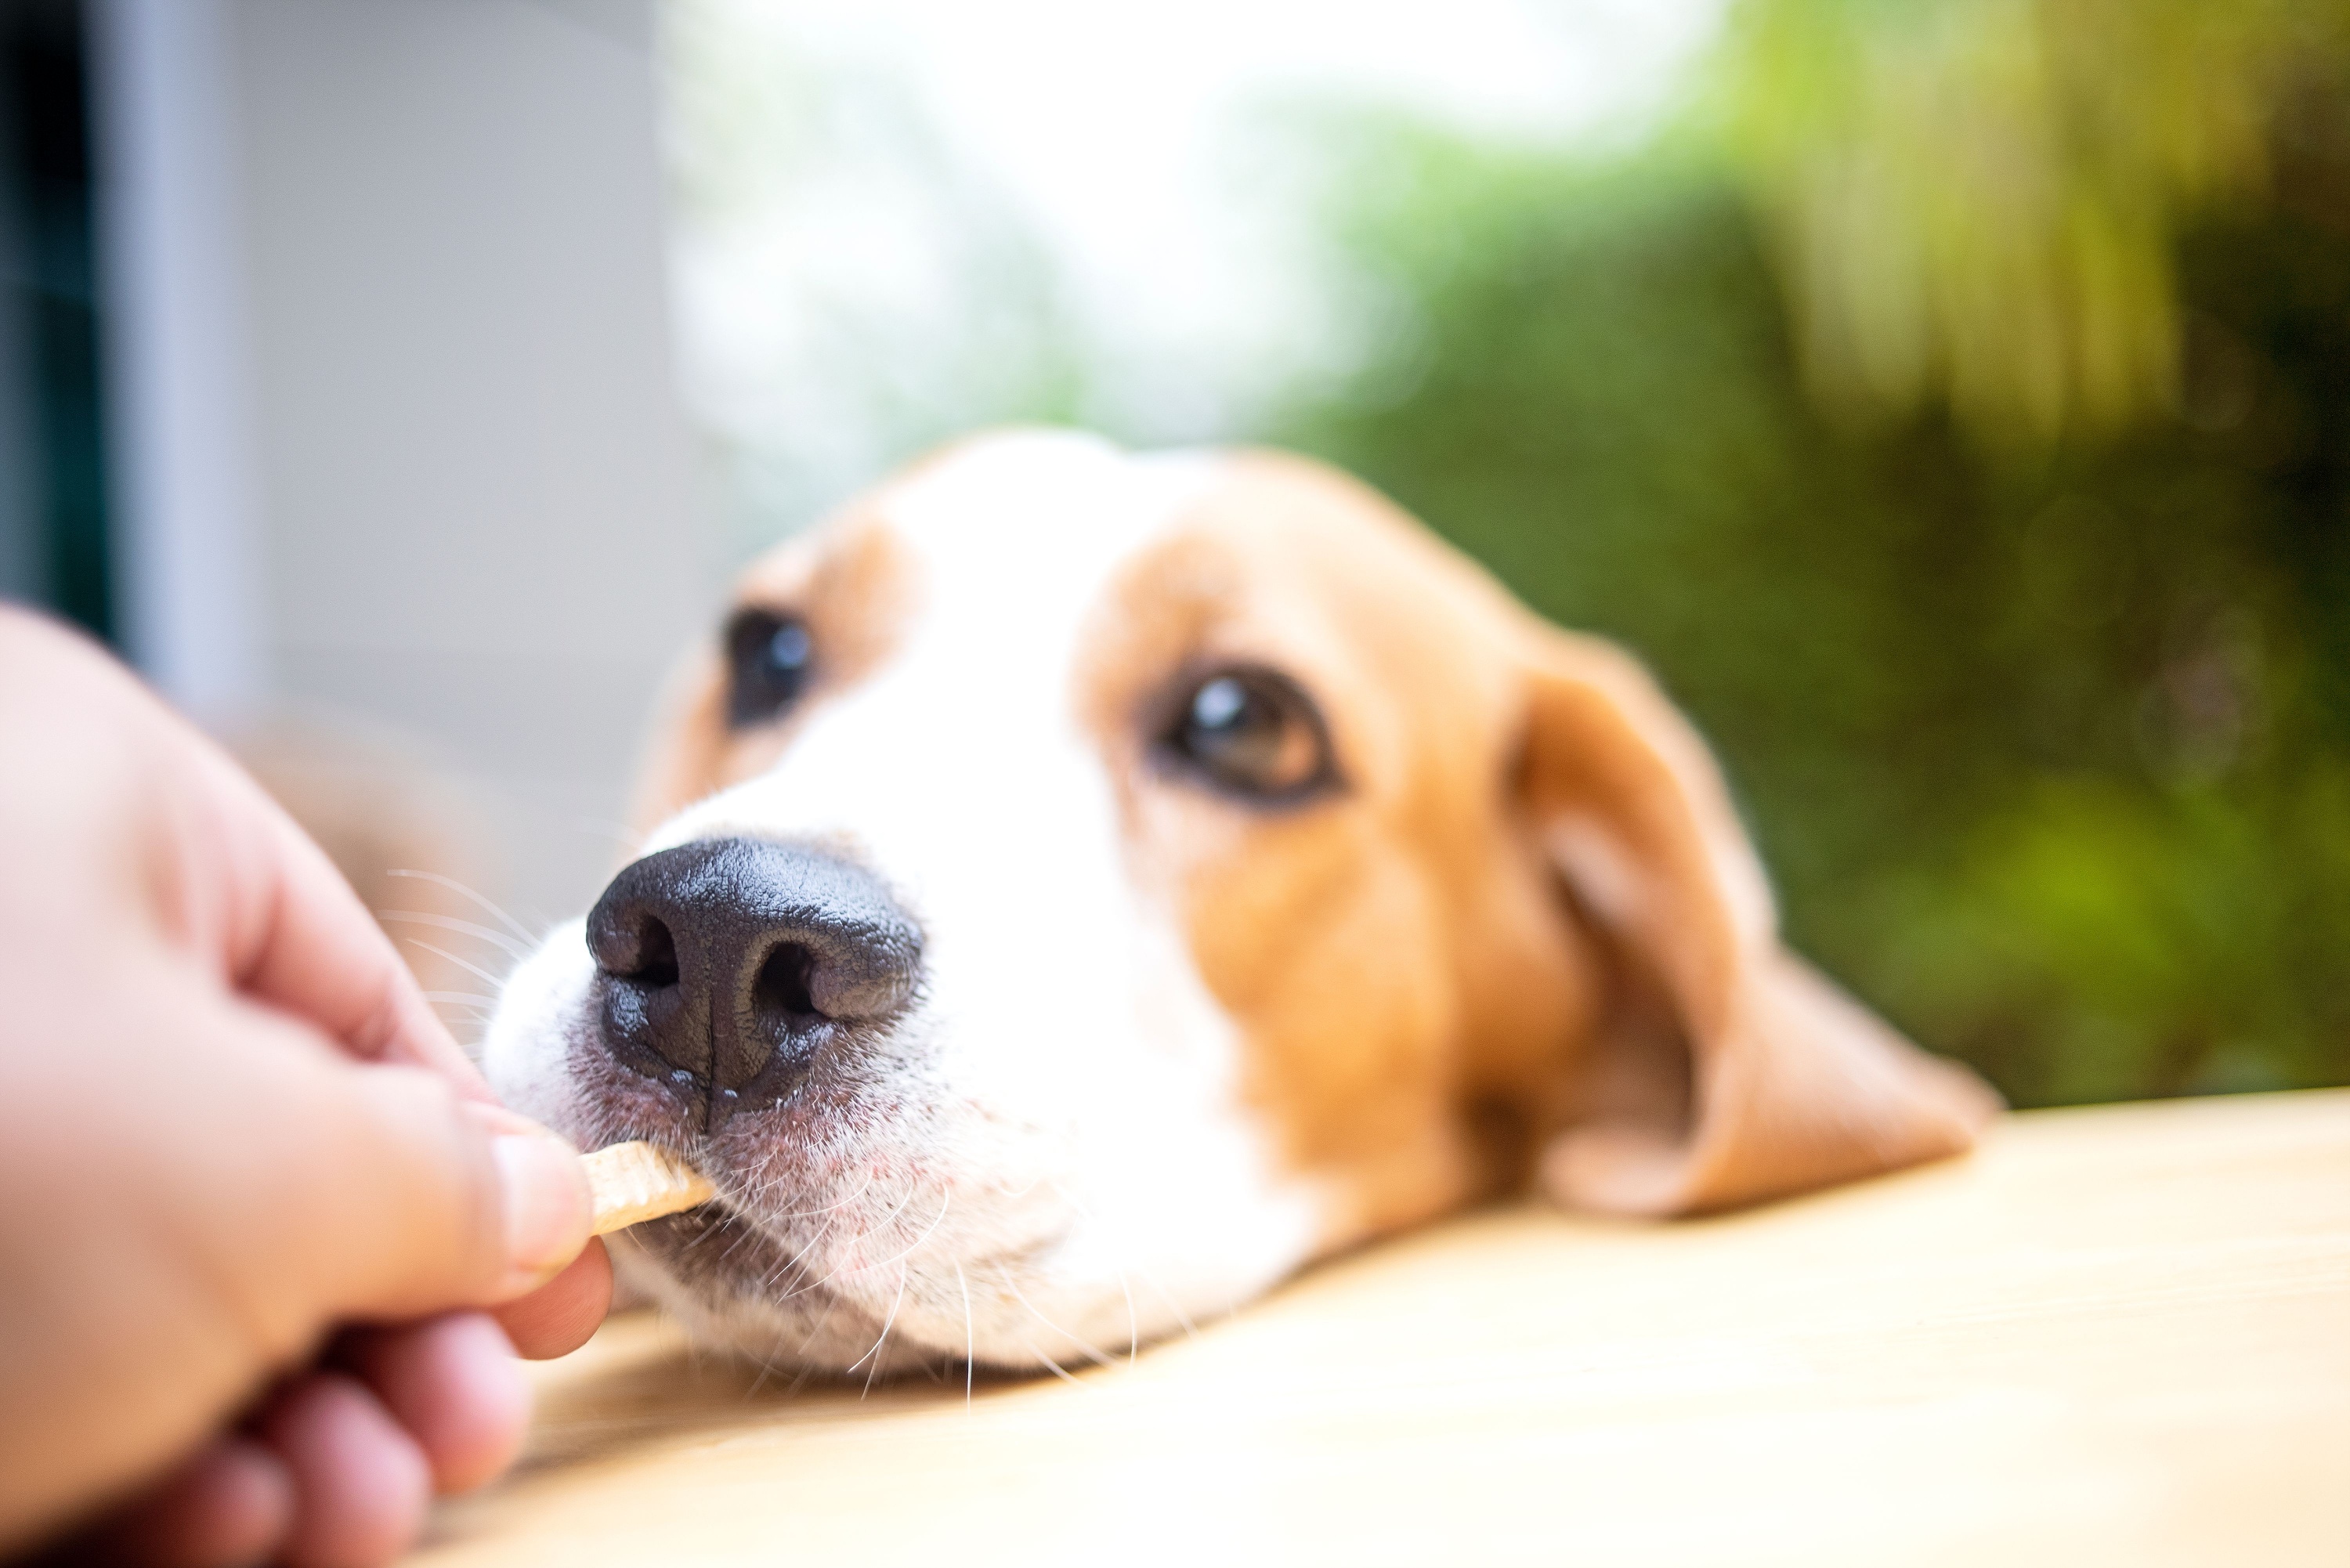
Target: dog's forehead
column 1027, row 528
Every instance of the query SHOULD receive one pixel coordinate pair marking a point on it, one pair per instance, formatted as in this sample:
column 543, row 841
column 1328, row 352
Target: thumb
column 439, row 1201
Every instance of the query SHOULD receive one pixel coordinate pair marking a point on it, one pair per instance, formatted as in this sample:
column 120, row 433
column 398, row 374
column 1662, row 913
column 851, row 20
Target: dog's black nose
column 732, row 959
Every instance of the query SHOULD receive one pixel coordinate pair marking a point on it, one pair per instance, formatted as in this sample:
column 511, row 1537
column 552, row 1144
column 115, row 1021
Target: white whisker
column 1062, row 1372
column 946, row 1203
column 1096, row 1356
column 798, row 1259
column 831, row 1306
column 970, row 1335
column 896, row 1302
column 1133, row 1323
column 496, row 939
column 453, row 958
column 516, row 927
column 1191, row 1330
column 766, row 1368
column 619, row 833
column 888, row 1221
column 812, row 1213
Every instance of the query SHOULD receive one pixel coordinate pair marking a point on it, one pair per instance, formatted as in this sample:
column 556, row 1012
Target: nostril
column 655, row 958
column 633, row 945
column 780, row 994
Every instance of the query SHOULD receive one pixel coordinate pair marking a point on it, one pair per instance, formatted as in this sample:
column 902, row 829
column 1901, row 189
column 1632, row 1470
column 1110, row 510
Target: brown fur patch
column 1390, row 953
column 856, row 589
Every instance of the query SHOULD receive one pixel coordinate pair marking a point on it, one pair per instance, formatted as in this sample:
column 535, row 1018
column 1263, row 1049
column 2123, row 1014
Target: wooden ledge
column 2114, row 1335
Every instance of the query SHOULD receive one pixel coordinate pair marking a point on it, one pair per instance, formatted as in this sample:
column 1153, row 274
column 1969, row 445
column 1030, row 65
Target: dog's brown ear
column 1750, row 1074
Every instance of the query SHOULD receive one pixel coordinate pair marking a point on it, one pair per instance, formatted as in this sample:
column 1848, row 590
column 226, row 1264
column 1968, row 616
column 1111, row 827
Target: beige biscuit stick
column 639, row 1181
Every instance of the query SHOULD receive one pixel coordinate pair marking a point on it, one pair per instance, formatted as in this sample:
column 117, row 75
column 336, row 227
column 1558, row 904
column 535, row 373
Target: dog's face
column 1080, row 887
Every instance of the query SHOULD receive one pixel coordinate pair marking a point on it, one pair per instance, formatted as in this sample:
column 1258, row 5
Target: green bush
column 2048, row 748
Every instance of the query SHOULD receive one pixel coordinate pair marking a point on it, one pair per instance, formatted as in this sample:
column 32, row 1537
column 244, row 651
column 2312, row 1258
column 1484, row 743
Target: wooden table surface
column 2118, row 1336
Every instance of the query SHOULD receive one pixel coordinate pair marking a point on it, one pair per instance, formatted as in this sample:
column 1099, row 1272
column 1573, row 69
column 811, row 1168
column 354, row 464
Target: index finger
column 324, row 957
column 304, row 943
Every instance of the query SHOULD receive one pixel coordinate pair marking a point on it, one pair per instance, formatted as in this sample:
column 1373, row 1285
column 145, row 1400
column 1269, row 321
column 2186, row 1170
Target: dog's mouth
column 815, row 1221
column 872, row 1282
column 844, row 1252
column 734, row 1280
column 718, row 1251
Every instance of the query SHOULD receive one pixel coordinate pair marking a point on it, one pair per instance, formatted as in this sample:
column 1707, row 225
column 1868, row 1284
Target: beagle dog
column 1081, row 887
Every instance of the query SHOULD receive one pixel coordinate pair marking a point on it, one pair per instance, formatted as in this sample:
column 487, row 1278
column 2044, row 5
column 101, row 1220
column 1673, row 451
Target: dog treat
column 639, row 1182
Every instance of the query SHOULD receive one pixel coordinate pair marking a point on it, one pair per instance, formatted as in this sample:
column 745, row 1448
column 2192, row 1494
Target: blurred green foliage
column 1978, row 197
column 2047, row 740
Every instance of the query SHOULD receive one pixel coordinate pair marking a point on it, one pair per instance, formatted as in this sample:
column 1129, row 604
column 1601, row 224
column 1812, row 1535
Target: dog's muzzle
column 726, row 969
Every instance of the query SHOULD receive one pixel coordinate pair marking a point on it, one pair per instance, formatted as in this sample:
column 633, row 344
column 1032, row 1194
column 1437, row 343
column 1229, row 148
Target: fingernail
column 548, row 1209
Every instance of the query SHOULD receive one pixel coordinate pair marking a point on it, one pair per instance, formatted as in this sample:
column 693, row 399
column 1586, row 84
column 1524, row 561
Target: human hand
column 239, row 1156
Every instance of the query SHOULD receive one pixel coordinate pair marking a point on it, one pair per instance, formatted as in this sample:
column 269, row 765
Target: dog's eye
column 1253, row 731
column 768, row 657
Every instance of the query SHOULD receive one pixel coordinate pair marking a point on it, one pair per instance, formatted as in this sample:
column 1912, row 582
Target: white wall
column 175, row 336
column 466, row 481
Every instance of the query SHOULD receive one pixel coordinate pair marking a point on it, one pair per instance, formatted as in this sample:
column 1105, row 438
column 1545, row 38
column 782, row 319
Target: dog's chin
column 899, row 1297
column 856, row 1252
column 735, row 1286
column 800, row 1264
